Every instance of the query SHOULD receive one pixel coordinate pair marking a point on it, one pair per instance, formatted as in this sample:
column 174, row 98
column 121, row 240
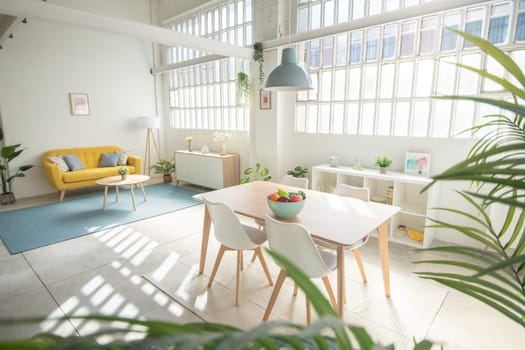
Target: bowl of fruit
column 286, row 205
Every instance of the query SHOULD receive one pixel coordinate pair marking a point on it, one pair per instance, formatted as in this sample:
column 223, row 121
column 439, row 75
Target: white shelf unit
column 415, row 206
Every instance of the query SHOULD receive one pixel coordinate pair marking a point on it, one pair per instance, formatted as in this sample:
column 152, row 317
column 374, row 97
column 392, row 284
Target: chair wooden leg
column 238, row 278
column 308, row 311
column 330, row 291
column 259, row 253
column 360, row 265
column 242, row 260
column 216, row 266
column 61, row 195
column 254, row 256
column 295, row 289
column 273, row 297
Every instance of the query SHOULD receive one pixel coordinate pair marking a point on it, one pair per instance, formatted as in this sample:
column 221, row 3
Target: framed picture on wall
column 79, row 103
column 417, row 163
column 265, row 99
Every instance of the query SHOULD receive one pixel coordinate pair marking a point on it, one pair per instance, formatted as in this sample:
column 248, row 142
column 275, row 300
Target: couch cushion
column 73, row 162
column 108, row 160
column 123, row 158
column 91, row 174
column 90, row 156
column 60, row 162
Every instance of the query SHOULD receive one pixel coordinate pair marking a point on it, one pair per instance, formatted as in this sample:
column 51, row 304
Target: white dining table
column 339, row 220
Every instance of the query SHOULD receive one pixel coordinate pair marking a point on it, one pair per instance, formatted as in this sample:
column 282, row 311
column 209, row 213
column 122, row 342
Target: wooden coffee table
column 131, row 180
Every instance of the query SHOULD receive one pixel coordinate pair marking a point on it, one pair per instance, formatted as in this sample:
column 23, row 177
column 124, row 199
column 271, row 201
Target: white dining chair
column 313, row 262
column 361, row 193
column 234, row 236
column 290, row 180
column 301, row 182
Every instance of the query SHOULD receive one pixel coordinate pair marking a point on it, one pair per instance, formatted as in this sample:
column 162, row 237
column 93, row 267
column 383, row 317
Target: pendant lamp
column 288, row 76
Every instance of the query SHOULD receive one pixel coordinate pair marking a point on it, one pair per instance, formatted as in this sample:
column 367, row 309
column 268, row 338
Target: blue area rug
column 29, row 228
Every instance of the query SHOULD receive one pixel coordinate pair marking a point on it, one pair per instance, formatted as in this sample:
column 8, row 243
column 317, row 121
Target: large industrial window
column 381, row 80
column 203, row 96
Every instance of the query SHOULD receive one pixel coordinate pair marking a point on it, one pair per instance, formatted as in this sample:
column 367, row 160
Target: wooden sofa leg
column 62, row 194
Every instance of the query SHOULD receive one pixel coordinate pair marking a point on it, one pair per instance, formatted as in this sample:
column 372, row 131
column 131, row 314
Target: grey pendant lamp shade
column 288, row 76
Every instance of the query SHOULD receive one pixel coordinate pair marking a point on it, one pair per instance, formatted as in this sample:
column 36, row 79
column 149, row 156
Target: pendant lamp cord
column 289, row 20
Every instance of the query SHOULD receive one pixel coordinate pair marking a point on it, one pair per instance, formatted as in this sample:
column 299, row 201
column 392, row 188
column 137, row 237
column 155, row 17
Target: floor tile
column 34, row 303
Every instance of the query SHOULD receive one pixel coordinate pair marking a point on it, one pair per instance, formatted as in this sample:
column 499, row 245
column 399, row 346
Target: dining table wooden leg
column 340, row 280
column 205, row 238
column 382, row 239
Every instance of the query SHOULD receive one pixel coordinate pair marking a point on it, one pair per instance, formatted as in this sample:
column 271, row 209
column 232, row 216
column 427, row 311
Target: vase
column 189, row 146
column 222, row 150
column 7, row 198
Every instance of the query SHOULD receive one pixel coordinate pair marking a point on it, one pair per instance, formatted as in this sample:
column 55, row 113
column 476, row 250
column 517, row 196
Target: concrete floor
column 148, row 269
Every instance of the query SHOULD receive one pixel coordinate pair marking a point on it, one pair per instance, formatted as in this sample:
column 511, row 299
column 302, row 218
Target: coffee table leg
column 105, row 197
column 116, row 193
column 143, row 192
column 132, row 197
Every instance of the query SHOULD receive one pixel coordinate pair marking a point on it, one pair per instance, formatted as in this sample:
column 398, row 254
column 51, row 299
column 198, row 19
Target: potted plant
column 123, row 172
column 244, row 90
column 298, row 171
column 166, row 168
column 7, row 154
column 383, row 162
column 258, row 56
column 257, row 173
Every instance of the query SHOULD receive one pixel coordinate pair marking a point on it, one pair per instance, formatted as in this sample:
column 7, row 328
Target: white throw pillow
column 60, row 162
column 123, row 158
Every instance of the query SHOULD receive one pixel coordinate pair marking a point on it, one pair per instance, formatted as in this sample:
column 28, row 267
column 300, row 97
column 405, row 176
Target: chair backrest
column 289, row 180
column 227, row 227
column 345, row 190
column 293, row 241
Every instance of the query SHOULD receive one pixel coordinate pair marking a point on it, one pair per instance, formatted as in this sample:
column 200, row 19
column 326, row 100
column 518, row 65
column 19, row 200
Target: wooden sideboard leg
column 61, row 195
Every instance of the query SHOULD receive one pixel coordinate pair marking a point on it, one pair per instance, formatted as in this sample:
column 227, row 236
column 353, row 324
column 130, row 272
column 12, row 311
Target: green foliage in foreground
column 494, row 274
column 329, row 332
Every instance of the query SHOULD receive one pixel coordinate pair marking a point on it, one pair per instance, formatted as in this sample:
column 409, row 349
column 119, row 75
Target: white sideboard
column 404, row 190
column 210, row 170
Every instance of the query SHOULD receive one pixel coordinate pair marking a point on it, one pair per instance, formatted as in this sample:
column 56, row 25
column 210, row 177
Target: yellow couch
column 90, row 157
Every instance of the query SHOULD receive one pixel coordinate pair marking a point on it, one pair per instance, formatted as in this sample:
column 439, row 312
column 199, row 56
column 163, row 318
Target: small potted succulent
column 166, row 168
column 123, row 172
column 383, row 162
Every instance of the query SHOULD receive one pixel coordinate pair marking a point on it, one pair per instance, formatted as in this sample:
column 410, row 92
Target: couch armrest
column 53, row 174
column 136, row 162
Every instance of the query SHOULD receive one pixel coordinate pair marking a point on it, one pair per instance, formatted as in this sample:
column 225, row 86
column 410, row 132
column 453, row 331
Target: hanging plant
column 244, row 90
column 259, row 58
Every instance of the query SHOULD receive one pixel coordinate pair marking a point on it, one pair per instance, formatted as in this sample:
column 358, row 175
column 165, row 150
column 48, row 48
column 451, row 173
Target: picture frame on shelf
column 417, row 163
column 265, row 99
column 79, row 103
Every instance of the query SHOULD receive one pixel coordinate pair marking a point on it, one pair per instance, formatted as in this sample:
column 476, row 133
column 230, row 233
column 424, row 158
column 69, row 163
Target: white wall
column 46, row 61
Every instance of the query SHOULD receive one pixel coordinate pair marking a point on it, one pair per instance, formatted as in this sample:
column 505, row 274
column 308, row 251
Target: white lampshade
column 148, row 122
column 289, row 76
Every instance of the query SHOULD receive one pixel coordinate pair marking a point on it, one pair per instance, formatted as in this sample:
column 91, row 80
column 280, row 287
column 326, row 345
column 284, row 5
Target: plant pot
column 382, row 170
column 167, row 179
column 123, row 177
column 7, row 198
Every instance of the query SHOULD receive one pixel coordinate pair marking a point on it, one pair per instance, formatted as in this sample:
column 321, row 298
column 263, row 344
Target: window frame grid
column 436, row 56
column 181, row 54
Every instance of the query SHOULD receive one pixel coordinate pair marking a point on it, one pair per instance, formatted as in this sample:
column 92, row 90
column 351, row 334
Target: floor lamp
column 149, row 123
